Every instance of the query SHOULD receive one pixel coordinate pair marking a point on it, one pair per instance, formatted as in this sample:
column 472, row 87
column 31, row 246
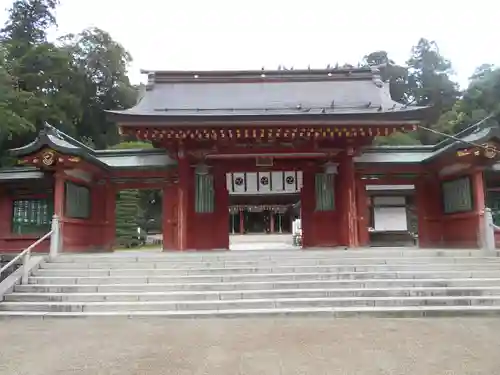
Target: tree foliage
column 103, row 63
column 426, row 80
column 13, row 105
column 128, row 213
column 137, row 208
column 395, row 75
column 26, row 60
column 68, row 83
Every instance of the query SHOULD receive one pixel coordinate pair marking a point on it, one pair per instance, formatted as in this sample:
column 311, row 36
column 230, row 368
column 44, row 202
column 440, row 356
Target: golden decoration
column 48, row 158
column 465, row 152
column 490, row 153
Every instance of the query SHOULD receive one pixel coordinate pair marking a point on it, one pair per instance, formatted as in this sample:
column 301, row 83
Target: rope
column 455, row 138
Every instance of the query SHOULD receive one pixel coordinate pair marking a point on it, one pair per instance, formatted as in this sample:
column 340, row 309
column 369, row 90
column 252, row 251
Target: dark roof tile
column 315, row 93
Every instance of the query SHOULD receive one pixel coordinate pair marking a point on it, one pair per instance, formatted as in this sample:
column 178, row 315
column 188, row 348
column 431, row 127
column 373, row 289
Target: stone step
column 265, row 255
column 168, row 263
column 74, row 272
column 248, row 294
column 259, row 285
column 279, row 303
column 261, row 277
column 337, row 312
column 379, row 282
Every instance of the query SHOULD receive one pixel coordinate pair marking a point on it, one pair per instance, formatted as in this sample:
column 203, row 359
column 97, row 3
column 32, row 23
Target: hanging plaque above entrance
column 264, row 161
column 265, row 182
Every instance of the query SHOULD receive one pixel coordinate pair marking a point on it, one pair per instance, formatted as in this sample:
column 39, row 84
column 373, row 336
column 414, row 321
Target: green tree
column 397, row 77
column 40, row 73
column 103, row 62
column 397, row 139
column 128, row 213
column 430, row 84
column 69, row 84
column 13, row 105
column 136, row 208
column 480, row 100
column 390, row 72
column 27, row 25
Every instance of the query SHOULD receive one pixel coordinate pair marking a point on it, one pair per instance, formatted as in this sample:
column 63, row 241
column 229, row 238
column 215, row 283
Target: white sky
column 220, row 34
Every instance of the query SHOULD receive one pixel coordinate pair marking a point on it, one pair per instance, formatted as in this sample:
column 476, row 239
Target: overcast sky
column 231, row 34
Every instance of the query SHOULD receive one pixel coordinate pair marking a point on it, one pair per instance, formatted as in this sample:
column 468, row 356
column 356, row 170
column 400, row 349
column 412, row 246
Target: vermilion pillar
column 242, row 222
column 307, row 206
column 429, row 211
column 220, row 217
column 271, row 222
column 362, row 212
column 170, row 216
column 184, row 200
column 478, row 188
column 347, row 202
column 109, row 215
column 478, row 192
column 319, row 227
column 59, row 195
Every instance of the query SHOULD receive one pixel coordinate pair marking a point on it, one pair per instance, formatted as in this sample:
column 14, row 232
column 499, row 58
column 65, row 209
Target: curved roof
column 332, row 93
column 472, row 136
column 158, row 158
column 108, row 159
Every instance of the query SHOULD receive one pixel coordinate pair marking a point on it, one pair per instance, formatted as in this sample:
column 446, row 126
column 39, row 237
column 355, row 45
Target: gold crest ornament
column 48, row 158
column 489, row 151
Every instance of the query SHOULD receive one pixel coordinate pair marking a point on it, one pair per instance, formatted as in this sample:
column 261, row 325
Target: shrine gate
column 206, row 126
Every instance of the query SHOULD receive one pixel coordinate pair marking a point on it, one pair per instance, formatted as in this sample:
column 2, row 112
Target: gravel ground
column 249, row 346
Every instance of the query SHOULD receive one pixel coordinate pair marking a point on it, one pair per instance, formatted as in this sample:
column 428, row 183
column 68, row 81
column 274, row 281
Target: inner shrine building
column 230, row 144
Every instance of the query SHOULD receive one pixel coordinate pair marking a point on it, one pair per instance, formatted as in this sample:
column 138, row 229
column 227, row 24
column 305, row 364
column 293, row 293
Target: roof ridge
column 65, row 137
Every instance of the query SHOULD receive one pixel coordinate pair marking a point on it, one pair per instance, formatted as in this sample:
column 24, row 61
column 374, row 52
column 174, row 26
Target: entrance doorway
column 138, row 219
column 262, row 208
column 262, row 219
column 257, row 221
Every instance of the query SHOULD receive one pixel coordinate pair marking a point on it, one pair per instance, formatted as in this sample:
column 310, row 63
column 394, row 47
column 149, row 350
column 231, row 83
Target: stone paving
column 249, row 347
column 261, row 242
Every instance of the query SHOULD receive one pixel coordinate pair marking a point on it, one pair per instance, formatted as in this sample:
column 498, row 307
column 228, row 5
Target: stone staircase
column 376, row 282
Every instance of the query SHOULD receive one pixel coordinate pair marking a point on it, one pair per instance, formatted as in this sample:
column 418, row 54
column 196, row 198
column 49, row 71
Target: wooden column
column 59, row 181
column 363, row 212
column 6, row 215
column 59, row 198
column 271, row 222
column 347, row 202
column 170, row 213
column 221, row 212
column 307, row 207
column 184, row 199
column 478, row 191
column 242, row 222
column 110, row 216
column 429, row 211
column 319, row 227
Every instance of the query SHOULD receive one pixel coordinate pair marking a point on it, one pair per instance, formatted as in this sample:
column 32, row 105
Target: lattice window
column 325, row 192
column 77, row 202
column 204, row 194
column 457, row 195
column 32, row 216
